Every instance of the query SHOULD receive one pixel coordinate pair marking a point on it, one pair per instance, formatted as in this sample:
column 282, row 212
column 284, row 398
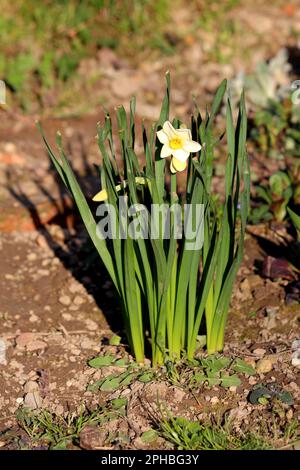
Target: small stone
column 36, row 345
column 3, row 347
column 32, row 375
column 78, row 300
column 296, row 344
column 59, row 410
column 32, row 257
column 33, row 318
column 67, row 316
column 19, row 400
column 296, row 358
column 9, row 147
column 25, row 338
column 91, row 325
column 214, row 400
column 74, row 308
column 264, row 365
column 75, row 287
column 31, row 386
column 33, row 400
column 294, row 386
column 92, row 438
column 289, row 414
column 233, row 388
column 65, row 300
column 76, row 352
column 252, row 380
column 259, row 352
column 43, row 272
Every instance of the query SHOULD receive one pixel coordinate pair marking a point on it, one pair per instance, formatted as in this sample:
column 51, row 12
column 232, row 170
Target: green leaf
column 215, row 364
column 243, row 367
column 118, row 403
column 110, row 384
column 147, row 377
column 115, row 340
column 212, row 378
column 199, row 377
column 127, row 380
column 62, row 445
column 285, row 397
column 263, row 400
column 295, row 218
column 95, row 386
column 121, row 362
column 101, row 361
column 230, row 381
column 149, row 436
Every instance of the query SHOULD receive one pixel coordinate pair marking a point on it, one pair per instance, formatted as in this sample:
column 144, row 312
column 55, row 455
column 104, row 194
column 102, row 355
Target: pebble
column 75, row 288
column 25, row 338
column 33, row 400
column 31, row 386
column 65, row 300
column 264, row 365
column 92, row 438
column 79, row 300
column 214, row 400
column 2, row 352
column 76, row 352
column 59, row 410
column 32, row 257
column 74, row 308
column 43, row 272
column 67, row 316
column 33, row 318
column 36, row 345
column 259, row 352
column 296, row 358
column 296, row 344
column 91, row 325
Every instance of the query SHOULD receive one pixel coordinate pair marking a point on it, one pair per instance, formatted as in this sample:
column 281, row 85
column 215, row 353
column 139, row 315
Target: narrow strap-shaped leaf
column 87, row 216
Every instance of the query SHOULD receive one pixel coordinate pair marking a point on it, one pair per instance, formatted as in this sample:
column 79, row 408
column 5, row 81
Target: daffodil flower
column 177, row 143
column 103, row 196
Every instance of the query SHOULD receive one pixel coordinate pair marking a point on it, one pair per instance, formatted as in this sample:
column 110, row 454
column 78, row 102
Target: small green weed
column 59, row 431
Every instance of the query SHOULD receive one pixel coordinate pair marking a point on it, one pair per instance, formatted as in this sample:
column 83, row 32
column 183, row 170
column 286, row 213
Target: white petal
column 169, row 130
column 166, row 151
column 181, row 154
column 162, row 136
column 185, row 134
column 191, row 146
column 177, row 165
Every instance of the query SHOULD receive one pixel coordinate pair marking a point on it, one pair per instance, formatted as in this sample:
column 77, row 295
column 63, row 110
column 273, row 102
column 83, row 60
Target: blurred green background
column 43, row 43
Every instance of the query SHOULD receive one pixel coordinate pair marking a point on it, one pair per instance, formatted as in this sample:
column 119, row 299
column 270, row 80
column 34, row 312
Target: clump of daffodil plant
column 167, row 283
